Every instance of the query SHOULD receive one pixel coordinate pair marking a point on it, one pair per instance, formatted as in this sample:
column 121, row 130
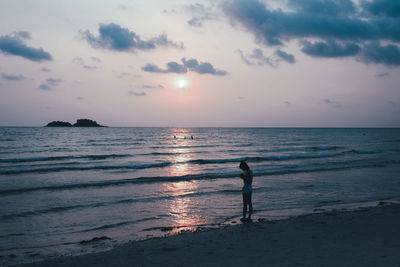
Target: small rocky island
column 78, row 123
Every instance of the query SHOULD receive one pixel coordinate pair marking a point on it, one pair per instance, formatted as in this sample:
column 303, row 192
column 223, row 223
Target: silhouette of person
column 247, row 177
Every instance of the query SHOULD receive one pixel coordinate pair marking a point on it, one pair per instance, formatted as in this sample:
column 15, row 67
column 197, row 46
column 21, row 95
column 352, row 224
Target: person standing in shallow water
column 247, row 177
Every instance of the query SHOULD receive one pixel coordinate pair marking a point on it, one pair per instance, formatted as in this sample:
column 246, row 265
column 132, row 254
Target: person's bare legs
column 250, row 208
column 244, row 206
column 247, row 201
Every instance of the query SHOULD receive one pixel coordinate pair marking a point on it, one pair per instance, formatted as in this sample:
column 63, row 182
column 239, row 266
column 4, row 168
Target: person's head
column 243, row 165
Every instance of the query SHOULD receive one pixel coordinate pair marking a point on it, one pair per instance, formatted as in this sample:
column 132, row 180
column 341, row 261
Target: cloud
column 53, row 81
column 152, row 86
column 381, row 75
column 50, row 82
column 330, row 49
column 288, row 103
column 22, row 34
column 14, row 44
column 285, row 56
column 325, row 7
column 80, row 98
column 376, row 53
column 332, row 103
column 196, row 8
column 170, row 11
column 172, row 67
column 244, row 58
column 176, row 67
column 81, row 62
column 191, row 64
column 273, row 27
column 96, row 59
column 201, row 67
column 133, row 93
column 44, row 87
column 78, row 60
column 338, row 28
column 114, row 37
column 257, row 58
column 195, row 22
column 200, row 14
column 88, row 67
column 10, row 77
column 44, row 69
column 390, row 8
column 124, row 74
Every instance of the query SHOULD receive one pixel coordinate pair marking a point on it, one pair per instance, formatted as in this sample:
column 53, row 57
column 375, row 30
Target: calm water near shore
column 62, row 186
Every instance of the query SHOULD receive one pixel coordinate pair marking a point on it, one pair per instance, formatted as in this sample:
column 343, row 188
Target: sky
column 229, row 63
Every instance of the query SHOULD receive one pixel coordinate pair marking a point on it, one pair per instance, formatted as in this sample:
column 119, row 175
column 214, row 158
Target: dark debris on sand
column 94, row 239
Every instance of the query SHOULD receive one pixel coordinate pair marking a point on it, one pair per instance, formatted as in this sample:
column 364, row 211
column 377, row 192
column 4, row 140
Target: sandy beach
column 364, row 237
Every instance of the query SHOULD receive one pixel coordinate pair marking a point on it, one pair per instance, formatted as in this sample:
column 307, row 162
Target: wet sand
column 365, row 237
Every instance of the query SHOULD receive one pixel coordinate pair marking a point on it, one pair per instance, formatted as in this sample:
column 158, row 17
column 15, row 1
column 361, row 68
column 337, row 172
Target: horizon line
column 271, row 127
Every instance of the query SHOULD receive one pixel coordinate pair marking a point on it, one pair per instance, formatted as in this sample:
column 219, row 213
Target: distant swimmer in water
column 247, row 177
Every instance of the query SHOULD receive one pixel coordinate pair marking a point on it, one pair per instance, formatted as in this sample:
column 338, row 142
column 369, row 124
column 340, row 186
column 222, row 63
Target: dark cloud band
column 10, row 77
column 14, row 45
column 190, row 64
column 285, row 56
column 385, row 54
column 258, row 58
column 326, row 28
column 330, row 49
column 114, row 37
column 389, row 8
column 134, row 93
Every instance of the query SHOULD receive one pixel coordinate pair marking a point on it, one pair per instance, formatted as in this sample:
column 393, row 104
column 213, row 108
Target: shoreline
column 362, row 237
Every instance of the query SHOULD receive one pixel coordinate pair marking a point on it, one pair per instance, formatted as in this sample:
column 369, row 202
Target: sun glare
column 181, row 82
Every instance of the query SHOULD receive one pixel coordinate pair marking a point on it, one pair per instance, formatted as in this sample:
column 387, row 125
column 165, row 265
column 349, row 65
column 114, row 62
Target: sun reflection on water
column 181, row 207
column 181, row 152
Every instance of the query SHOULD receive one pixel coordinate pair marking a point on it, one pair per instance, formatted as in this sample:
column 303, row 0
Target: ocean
column 68, row 191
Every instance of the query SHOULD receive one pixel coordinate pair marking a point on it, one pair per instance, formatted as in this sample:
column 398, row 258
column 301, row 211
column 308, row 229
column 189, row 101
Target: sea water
column 66, row 191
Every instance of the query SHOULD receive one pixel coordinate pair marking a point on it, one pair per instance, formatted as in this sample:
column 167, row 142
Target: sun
column 181, row 82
